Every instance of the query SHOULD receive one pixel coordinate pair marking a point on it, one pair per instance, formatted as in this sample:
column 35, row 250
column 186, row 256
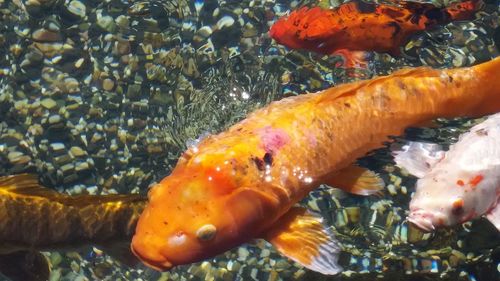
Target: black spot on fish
column 397, row 28
column 365, row 8
column 268, row 158
column 259, row 163
column 347, row 105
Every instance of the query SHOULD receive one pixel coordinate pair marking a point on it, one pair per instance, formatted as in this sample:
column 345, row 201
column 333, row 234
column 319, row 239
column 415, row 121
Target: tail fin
column 464, row 10
column 489, row 69
column 488, row 74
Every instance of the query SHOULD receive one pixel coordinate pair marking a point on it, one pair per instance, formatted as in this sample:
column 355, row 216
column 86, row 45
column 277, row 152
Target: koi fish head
column 444, row 198
column 305, row 28
column 197, row 212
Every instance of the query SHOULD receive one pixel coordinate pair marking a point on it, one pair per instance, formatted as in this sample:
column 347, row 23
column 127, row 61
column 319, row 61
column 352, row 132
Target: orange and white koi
column 458, row 185
column 362, row 26
column 243, row 183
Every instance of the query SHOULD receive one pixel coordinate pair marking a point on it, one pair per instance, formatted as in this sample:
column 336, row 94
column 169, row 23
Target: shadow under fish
column 34, row 218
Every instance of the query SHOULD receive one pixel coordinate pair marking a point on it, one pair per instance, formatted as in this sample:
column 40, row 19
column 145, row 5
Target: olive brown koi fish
column 243, row 183
column 33, row 219
column 458, row 185
column 363, row 26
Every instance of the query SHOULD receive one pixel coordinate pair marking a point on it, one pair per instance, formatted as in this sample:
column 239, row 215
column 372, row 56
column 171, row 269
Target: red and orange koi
column 363, row 26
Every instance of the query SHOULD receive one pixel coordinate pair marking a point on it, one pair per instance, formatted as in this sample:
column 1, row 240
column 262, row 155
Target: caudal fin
column 490, row 68
column 488, row 91
column 464, row 10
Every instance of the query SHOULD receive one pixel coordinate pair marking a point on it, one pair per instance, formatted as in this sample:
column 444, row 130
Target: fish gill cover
column 100, row 97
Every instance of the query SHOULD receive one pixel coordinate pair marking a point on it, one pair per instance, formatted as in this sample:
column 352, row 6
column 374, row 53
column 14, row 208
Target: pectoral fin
column 418, row 157
column 353, row 59
column 302, row 237
column 357, row 180
column 494, row 216
column 25, row 265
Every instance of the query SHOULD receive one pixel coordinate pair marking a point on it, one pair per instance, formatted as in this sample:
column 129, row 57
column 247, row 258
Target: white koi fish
column 458, row 185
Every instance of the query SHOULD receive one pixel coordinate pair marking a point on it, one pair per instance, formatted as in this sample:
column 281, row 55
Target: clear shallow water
column 101, row 97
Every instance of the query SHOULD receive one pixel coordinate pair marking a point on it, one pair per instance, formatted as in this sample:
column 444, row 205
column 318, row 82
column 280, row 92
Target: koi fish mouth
column 422, row 220
column 158, row 263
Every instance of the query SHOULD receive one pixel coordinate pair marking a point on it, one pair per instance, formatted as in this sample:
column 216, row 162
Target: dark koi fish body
column 34, row 218
column 362, row 26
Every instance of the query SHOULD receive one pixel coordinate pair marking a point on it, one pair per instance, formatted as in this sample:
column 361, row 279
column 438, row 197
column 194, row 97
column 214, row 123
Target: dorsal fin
column 24, row 184
column 415, row 6
column 27, row 184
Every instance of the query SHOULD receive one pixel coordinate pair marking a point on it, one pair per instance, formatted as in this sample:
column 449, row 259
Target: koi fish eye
column 457, row 207
column 206, row 232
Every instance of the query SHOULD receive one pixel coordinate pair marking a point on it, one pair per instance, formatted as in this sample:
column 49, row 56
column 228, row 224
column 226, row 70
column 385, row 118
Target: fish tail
column 464, row 10
column 491, row 72
column 487, row 88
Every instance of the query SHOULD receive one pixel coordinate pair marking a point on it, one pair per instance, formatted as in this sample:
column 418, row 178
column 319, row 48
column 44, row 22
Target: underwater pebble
column 44, row 35
column 225, row 21
column 242, row 254
column 48, row 103
column 105, row 22
column 77, row 8
column 108, row 84
column 57, row 147
column 18, row 158
column 77, row 151
column 53, row 119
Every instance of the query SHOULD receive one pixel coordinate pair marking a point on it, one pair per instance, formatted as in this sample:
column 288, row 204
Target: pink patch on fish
column 273, row 139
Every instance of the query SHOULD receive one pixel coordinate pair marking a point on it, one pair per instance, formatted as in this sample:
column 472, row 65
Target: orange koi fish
column 243, row 183
column 362, row 26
